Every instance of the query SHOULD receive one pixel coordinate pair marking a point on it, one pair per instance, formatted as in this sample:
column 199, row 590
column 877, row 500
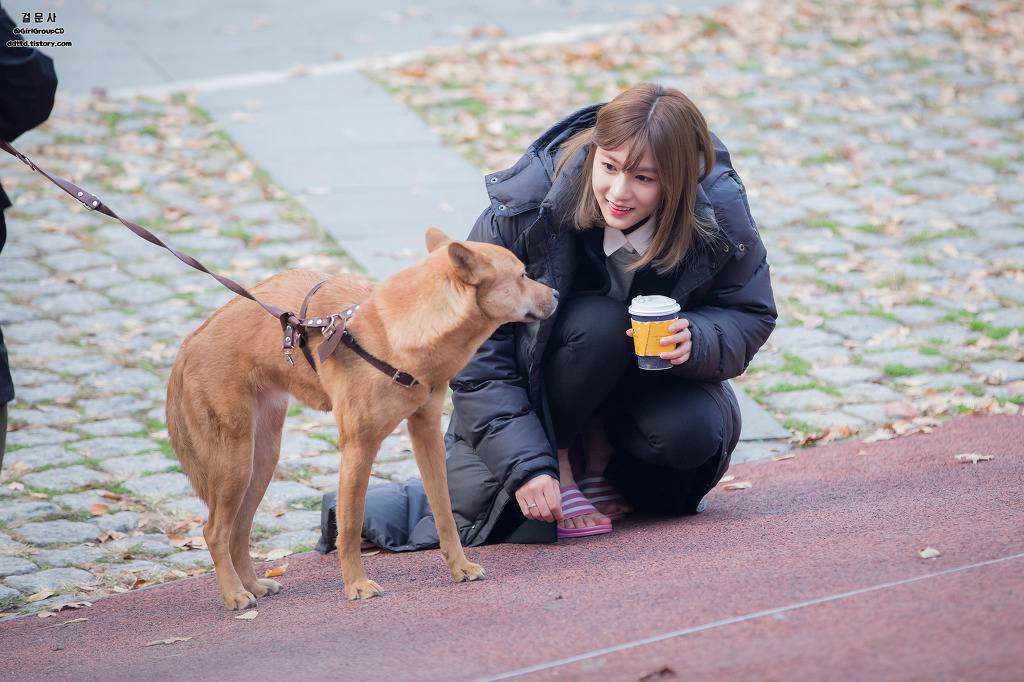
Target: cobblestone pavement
column 880, row 143
column 92, row 499
column 881, row 146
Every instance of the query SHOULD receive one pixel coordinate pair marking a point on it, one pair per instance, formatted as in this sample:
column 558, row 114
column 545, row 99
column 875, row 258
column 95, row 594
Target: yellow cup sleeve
column 646, row 337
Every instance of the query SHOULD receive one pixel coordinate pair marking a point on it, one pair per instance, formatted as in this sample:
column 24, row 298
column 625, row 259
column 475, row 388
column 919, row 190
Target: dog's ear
column 468, row 265
column 436, row 238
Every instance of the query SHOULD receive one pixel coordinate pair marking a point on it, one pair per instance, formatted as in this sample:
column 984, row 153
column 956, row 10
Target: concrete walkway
column 814, row 572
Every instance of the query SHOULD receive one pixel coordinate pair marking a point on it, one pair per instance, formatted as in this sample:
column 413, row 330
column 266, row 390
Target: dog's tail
column 177, row 426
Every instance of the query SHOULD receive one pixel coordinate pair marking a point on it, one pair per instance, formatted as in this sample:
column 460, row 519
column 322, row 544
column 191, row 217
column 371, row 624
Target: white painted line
column 737, row 619
column 258, row 78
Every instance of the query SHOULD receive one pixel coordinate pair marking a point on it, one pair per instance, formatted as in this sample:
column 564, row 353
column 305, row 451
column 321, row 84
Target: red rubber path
column 812, row 573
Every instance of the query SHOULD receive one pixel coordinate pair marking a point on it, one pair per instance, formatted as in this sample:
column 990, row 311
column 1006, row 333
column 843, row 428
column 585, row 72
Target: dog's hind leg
column 428, row 446
column 227, row 482
column 268, row 420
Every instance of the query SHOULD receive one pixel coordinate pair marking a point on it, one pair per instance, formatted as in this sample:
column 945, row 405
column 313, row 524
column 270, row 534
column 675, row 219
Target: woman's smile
column 618, row 211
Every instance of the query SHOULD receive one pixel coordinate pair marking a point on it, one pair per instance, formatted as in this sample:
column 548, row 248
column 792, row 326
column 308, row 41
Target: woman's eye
column 608, row 167
column 643, row 178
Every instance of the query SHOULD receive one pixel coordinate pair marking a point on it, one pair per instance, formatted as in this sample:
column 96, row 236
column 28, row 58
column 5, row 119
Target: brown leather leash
column 294, row 327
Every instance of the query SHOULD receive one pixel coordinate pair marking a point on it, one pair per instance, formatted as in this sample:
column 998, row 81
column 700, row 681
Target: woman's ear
column 466, row 264
column 436, row 238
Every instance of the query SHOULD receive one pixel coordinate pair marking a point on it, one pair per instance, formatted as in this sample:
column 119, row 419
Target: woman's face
column 626, row 198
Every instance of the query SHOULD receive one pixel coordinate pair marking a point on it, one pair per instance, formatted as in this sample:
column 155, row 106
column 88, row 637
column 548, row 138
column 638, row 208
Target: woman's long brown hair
column 664, row 120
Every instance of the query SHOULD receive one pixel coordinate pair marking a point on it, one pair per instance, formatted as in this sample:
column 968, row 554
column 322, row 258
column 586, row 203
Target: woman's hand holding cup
column 680, row 335
column 540, row 499
column 661, row 339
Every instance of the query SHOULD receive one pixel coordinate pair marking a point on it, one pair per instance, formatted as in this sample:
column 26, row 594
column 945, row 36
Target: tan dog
column 229, row 388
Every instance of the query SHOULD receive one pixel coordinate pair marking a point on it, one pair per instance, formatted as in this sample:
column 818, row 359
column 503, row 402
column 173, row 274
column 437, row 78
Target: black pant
column 6, row 383
column 671, row 438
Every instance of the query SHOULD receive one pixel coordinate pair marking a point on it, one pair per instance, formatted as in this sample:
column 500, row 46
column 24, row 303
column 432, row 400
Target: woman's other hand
column 679, row 333
column 540, row 499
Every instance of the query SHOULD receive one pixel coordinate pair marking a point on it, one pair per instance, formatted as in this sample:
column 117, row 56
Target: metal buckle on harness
column 289, row 332
column 328, row 331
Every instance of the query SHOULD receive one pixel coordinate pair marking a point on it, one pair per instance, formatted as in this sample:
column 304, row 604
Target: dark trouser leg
column 672, row 440
column 6, row 387
column 3, row 432
column 589, row 353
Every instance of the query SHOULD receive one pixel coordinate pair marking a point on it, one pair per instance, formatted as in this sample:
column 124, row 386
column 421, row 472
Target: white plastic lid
column 653, row 305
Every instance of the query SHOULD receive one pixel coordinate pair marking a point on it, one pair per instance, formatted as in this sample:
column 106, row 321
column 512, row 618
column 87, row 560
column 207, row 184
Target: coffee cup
column 650, row 318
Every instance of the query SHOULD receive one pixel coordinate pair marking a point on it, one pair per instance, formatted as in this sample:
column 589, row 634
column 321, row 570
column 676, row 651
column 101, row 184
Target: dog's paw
column 466, row 571
column 363, row 589
column 265, row 586
column 237, row 601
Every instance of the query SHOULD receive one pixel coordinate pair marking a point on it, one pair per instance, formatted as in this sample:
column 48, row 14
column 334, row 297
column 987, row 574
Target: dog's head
column 503, row 291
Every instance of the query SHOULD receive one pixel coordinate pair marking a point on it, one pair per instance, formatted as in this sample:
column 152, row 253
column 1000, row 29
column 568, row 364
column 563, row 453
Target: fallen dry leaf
column 248, row 615
column 99, row 509
column 973, row 457
column 779, row 458
column 39, row 596
column 16, row 486
column 739, row 485
column 830, row 434
column 276, row 571
column 662, row 673
column 69, row 622
column 46, row 614
column 109, row 535
column 186, row 525
column 370, row 552
column 169, row 640
column 109, row 495
column 279, row 553
column 929, row 553
column 182, row 541
column 70, row 605
column 727, row 478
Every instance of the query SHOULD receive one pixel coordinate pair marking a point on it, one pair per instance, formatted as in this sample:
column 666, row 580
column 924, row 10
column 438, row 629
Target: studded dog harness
column 334, row 330
column 294, row 327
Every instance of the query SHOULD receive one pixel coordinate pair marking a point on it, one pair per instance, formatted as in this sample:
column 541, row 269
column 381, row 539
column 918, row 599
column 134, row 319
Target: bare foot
column 584, row 521
column 566, row 480
column 603, row 496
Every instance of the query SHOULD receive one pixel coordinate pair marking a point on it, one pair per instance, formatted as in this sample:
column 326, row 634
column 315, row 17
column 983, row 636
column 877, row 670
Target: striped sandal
column 574, row 504
column 598, row 490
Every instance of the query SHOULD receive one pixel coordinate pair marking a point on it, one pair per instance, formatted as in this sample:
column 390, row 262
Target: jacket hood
column 528, row 183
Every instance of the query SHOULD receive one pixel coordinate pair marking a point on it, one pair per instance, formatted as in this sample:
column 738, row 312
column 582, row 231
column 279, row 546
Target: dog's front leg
column 356, row 463
column 428, row 446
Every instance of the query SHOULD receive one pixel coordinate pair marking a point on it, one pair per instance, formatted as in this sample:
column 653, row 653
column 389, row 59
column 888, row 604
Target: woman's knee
column 688, row 433
column 594, row 328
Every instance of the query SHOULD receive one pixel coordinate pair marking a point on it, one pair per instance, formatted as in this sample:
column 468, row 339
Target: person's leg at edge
column 589, row 353
column 672, row 440
column 3, row 433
